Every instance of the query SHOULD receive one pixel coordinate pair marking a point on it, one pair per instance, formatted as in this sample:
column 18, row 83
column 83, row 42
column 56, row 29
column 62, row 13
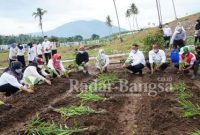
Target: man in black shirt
column 196, row 63
column 197, row 32
column 82, row 59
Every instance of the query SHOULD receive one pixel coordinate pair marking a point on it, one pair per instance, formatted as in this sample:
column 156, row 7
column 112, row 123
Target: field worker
column 82, row 59
column 35, row 73
column 167, row 33
column 191, row 48
column 40, row 50
column 13, row 52
column 20, row 54
column 186, row 61
column 47, row 49
column 135, row 61
column 102, row 61
column 197, row 32
column 157, row 60
column 53, row 48
column 32, row 54
column 178, row 38
column 55, row 64
column 196, row 63
column 10, row 79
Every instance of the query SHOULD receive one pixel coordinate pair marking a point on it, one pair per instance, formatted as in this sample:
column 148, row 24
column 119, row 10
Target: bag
column 174, row 56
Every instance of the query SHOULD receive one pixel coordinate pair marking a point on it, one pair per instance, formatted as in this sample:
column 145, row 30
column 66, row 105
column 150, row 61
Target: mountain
column 83, row 28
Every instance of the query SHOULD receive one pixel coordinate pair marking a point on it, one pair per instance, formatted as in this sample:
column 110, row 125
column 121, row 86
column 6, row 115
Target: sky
column 16, row 15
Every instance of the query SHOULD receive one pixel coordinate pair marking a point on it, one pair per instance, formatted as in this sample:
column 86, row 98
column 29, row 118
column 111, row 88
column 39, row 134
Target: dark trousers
column 22, row 60
column 8, row 89
column 40, row 56
column 162, row 67
column 196, row 67
column 136, row 68
column 196, row 39
column 10, row 61
column 178, row 44
column 167, row 41
column 53, row 52
column 47, row 57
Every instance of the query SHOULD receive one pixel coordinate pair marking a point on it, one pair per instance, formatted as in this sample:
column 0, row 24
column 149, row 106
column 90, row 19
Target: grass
column 87, row 96
column 107, row 78
column 39, row 127
column 197, row 132
column 73, row 111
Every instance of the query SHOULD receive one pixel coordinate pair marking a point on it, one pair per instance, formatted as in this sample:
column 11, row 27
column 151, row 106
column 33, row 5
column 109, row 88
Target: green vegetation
column 31, row 81
column 87, row 96
column 1, row 103
column 73, row 111
column 107, row 78
column 38, row 127
column 197, row 132
column 181, row 89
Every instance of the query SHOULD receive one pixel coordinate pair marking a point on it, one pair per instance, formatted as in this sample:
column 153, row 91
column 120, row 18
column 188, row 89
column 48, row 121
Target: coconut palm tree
column 174, row 10
column 39, row 14
column 118, row 21
column 134, row 12
column 128, row 14
column 109, row 24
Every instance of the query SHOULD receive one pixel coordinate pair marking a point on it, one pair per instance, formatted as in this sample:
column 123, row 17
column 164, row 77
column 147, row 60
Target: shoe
column 193, row 77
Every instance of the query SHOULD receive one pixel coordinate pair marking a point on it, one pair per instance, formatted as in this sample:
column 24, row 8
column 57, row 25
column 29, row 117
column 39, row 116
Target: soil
column 126, row 112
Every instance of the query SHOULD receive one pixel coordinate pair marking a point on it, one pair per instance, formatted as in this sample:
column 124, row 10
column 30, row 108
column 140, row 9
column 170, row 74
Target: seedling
column 189, row 109
column 88, row 96
column 197, row 132
column 50, row 71
column 181, row 89
column 73, row 111
column 31, row 81
column 107, row 78
column 1, row 103
column 40, row 127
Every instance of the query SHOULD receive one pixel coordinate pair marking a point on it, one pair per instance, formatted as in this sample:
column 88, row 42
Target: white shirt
column 32, row 53
column 31, row 71
column 39, row 49
column 20, row 52
column 167, row 31
column 7, row 78
column 137, row 58
column 13, row 53
column 50, row 65
column 158, row 57
column 47, row 46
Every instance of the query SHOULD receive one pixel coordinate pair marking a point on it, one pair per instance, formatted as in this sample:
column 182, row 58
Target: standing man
column 47, row 49
column 157, row 60
column 135, row 61
column 178, row 38
column 40, row 50
column 167, row 33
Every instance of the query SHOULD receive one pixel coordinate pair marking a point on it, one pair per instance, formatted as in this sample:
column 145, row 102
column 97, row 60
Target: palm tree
column 174, row 10
column 39, row 14
column 118, row 21
column 109, row 24
column 134, row 12
column 128, row 14
column 159, row 13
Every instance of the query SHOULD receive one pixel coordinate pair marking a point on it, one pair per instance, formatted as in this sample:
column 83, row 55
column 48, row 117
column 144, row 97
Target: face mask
column 134, row 51
column 40, row 66
column 57, row 60
column 155, row 50
column 18, row 71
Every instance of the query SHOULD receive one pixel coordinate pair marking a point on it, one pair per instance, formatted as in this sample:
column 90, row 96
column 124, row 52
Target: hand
column 48, row 81
column 59, row 76
column 29, row 91
column 47, row 77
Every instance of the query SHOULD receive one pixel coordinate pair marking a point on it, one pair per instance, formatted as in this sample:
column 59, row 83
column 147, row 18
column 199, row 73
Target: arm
column 163, row 56
column 87, row 57
column 36, row 74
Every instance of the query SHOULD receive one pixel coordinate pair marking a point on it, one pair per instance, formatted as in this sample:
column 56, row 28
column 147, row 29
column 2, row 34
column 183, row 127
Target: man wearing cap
column 82, row 59
column 178, row 38
column 186, row 61
column 35, row 73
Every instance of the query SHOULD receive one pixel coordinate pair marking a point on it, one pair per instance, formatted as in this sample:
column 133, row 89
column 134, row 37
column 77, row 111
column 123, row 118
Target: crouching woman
column 102, row 61
column 35, row 73
column 10, row 80
column 56, row 66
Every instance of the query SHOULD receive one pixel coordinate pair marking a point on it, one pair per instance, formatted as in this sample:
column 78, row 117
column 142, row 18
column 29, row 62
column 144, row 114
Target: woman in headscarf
column 20, row 54
column 35, row 73
column 102, row 61
column 13, row 53
column 10, row 79
column 55, row 64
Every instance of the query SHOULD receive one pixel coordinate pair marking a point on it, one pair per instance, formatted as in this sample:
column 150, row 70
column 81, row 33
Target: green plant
column 181, row 89
column 197, row 132
column 73, row 111
column 49, row 71
column 87, row 96
column 39, row 127
column 107, row 78
column 31, row 81
column 188, row 108
column 2, row 103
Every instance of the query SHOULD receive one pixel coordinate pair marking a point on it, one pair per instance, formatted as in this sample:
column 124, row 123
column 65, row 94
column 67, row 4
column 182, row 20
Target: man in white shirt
column 135, row 61
column 47, row 49
column 39, row 50
column 157, row 60
column 167, row 33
